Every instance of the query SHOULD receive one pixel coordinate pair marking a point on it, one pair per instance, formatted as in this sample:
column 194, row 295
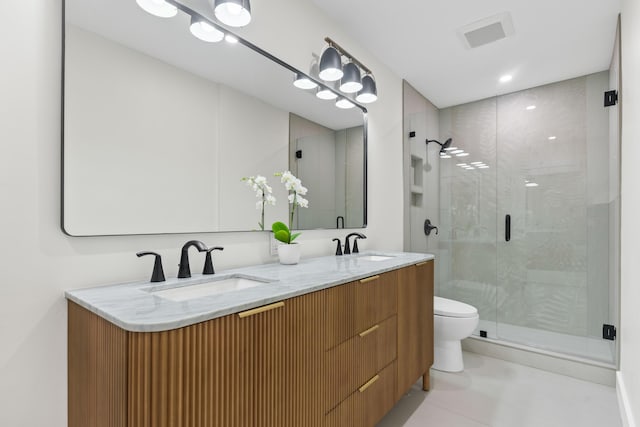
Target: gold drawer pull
column 260, row 309
column 368, row 331
column 369, row 279
column 368, row 383
column 422, row 263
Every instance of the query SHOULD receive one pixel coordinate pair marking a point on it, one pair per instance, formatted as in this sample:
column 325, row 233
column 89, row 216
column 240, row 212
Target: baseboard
column 595, row 373
column 623, row 402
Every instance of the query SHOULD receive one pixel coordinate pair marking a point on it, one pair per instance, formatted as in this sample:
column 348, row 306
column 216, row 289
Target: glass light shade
column 344, row 103
column 326, row 94
column 351, row 81
column 369, row 92
column 205, row 31
column 158, row 8
column 303, row 82
column 330, row 65
column 234, row 13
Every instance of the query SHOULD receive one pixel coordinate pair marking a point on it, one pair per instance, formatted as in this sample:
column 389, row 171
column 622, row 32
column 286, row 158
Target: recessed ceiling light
column 531, row 107
column 457, row 151
column 483, row 167
column 445, row 156
column 451, row 148
column 462, row 164
column 531, row 184
column 551, row 138
column 506, row 78
column 476, row 163
column 462, row 154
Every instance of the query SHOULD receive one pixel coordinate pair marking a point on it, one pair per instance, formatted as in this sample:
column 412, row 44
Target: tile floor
column 495, row 393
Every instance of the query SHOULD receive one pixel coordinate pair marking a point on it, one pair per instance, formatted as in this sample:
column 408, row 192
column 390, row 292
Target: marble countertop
column 134, row 307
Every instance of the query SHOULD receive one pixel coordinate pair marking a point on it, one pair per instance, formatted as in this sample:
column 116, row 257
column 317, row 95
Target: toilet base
column 447, row 356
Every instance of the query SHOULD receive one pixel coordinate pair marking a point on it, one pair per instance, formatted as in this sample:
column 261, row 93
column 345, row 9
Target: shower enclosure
column 528, row 216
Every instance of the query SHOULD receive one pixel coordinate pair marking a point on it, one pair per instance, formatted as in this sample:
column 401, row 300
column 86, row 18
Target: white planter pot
column 289, row 254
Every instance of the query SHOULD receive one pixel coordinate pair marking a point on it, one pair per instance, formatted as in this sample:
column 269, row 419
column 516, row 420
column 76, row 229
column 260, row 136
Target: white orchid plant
column 263, row 192
column 294, row 186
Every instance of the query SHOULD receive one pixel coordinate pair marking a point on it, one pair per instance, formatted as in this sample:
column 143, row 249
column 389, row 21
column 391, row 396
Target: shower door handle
column 507, row 227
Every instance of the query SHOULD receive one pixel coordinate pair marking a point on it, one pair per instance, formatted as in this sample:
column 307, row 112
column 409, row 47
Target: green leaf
column 283, row 236
column 279, row 226
column 293, row 236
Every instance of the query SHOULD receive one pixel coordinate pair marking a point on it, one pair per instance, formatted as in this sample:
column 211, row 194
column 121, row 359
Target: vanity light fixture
column 344, row 103
column 326, row 94
column 234, row 13
column 351, row 81
column 531, row 108
column 369, row 92
column 331, row 69
column 303, row 82
column 205, row 31
column 158, row 8
column 330, row 65
column 506, row 78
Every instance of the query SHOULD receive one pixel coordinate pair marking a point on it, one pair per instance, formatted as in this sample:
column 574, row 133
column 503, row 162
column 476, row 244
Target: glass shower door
column 552, row 249
column 468, row 209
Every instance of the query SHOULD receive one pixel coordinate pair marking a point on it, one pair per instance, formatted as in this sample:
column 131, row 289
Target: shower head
column 443, row 147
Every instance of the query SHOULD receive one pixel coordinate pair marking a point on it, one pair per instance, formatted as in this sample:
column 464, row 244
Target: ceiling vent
column 487, row 30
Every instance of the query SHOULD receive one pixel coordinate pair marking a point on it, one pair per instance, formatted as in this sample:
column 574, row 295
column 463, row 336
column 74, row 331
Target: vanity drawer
column 357, row 306
column 352, row 363
column 368, row 404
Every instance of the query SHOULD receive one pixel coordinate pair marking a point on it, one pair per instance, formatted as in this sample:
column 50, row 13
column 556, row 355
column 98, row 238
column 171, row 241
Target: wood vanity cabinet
column 338, row 357
column 415, row 325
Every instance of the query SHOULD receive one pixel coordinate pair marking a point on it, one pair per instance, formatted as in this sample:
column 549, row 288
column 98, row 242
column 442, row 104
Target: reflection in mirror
column 160, row 128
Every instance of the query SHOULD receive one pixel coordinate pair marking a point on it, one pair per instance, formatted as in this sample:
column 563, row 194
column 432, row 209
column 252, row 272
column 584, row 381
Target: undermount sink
column 375, row 257
column 181, row 292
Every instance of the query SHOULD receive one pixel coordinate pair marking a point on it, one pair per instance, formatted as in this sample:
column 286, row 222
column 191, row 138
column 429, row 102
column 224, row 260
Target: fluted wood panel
column 262, row 370
column 97, row 371
column 415, row 325
column 358, row 305
column 365, row 408
column 352, row 363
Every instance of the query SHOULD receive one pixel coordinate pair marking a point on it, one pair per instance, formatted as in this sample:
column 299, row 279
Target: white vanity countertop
column 132, row 307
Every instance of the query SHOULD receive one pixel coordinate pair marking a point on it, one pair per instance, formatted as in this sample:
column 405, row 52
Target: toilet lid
column 451, row 308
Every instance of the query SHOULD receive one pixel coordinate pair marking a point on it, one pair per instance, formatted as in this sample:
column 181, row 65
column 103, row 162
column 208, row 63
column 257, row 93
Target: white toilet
column 453, row 321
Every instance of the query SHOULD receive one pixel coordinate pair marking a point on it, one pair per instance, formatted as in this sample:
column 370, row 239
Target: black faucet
column 158, row 272
column 339, row 247
column 184, row 270
column 208, row 262
column 347, row 248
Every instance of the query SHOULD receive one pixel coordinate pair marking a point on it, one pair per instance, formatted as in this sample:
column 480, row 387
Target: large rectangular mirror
column 160, row 128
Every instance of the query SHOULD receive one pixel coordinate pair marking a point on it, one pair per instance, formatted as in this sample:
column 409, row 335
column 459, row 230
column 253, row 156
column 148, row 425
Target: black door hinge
column 610, row 98
column 608, row 332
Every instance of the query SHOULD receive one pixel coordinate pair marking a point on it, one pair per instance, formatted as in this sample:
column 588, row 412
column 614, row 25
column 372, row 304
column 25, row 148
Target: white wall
column 38, row 262
column 630, row 208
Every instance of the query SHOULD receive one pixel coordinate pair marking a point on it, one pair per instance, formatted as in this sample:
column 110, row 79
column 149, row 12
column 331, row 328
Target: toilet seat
column 450, row 308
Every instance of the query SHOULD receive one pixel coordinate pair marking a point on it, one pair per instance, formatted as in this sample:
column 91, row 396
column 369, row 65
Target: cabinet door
column 199, row 375
column 415, row 325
